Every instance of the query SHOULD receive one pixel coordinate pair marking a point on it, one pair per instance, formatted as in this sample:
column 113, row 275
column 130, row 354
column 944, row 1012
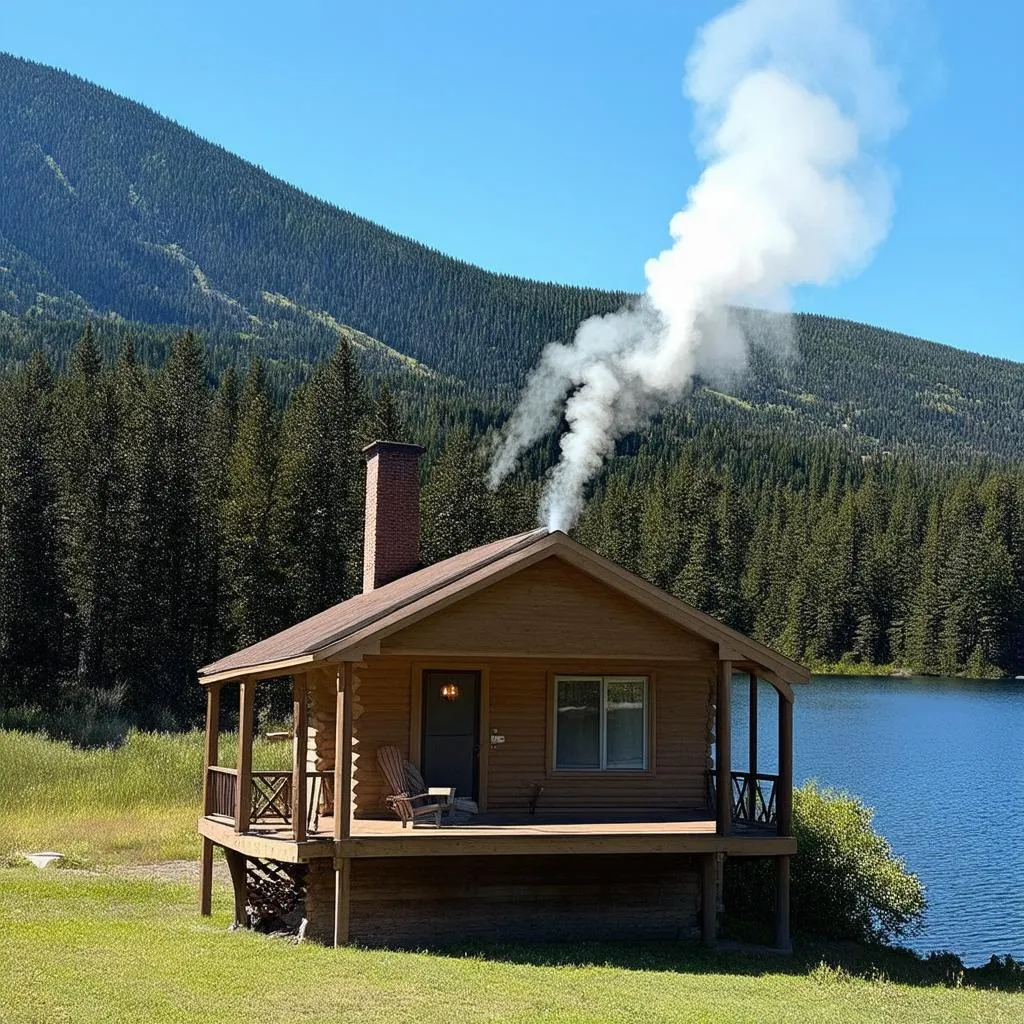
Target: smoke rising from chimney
column 791, row 107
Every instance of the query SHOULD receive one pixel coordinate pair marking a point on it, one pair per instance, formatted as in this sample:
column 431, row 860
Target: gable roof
column 362, row 621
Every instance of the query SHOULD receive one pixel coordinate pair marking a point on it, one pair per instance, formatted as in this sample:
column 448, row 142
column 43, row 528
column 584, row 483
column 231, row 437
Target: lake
column 942, row 763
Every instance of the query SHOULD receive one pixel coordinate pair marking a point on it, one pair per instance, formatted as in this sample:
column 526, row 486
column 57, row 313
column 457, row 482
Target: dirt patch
column 172, row 871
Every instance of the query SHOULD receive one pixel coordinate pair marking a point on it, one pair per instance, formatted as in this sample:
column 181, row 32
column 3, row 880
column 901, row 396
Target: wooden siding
column 417, row 901
column 521, row 709
column 550, row 608
column 381, row 715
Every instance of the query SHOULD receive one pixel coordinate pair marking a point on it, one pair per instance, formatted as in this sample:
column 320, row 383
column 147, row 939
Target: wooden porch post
column 299, row 758
column 752, row 748
column 343, row 804
column 723, row 749
column 209, row 760
column 784, row 797
column 782, row 940
column 343, row 755
column 243, row 792
column 709, row 899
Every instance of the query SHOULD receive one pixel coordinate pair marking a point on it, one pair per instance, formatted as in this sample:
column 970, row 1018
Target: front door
column 451, row 730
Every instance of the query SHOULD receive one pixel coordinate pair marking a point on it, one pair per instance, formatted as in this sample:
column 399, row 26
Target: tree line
column 154, row 519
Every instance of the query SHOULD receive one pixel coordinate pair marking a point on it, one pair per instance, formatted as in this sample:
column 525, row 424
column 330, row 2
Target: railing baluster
column 750, row 805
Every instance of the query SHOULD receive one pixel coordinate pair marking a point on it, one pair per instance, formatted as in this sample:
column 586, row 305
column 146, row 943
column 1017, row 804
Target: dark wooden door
column 451, row 730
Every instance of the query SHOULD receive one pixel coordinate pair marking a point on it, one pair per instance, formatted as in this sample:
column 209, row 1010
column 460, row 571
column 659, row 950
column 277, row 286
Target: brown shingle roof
column 319, row 631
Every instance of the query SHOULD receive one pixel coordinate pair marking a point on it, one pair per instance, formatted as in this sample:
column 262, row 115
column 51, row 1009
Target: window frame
column 604, row 680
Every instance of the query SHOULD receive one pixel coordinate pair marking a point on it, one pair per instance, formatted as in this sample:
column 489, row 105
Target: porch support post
column 236, row 868
column 723, row 748
column 206, row 878
column 212, row 743
column 709, row 899
column 343, row 756
column 342, row 899
column 782, row 939
column 243, row 793
column 784, row 794
column 301, row 731
column 209, row 760
column 752, row 758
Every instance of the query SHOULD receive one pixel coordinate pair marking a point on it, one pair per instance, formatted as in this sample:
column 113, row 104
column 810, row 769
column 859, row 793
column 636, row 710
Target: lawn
column 108, row 944
column 87, row 948
column 137, row 803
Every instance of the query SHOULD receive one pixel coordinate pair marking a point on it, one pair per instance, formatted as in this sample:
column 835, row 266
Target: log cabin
column 583, row 712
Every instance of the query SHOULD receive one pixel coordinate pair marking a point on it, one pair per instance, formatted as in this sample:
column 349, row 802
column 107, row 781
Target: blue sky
column 552, row 140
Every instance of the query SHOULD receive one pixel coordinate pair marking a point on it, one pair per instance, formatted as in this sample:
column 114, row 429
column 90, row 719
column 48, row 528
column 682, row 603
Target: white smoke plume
column 792, row 106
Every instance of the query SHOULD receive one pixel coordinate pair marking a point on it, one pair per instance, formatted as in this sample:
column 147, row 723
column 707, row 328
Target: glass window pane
column 626, row 719
column 578, row 727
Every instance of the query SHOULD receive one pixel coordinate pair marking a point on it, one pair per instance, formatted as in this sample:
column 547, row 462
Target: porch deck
column 611, row 832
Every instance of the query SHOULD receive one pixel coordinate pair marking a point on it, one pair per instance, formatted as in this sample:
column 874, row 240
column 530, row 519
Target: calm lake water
column 942, row 763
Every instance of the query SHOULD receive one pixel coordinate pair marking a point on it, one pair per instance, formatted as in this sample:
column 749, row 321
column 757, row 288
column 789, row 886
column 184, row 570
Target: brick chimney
column 391, row 540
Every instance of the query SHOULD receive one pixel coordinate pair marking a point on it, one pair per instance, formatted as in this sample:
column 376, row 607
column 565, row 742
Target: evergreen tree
column 33, row 605
column 252, row 586
column 319, row 513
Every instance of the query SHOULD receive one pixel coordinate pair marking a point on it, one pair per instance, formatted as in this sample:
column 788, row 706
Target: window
column 600, row 723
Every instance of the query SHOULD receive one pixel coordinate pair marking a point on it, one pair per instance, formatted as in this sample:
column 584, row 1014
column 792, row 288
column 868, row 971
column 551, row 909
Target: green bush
column 846, row 881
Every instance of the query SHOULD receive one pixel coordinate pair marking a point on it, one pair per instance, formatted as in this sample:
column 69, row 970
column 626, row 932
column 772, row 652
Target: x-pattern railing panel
column 272, row 796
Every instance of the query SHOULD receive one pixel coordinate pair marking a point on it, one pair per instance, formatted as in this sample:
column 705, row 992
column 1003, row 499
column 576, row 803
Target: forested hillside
column 167, row 494
column 153, row 520
column 108, row 209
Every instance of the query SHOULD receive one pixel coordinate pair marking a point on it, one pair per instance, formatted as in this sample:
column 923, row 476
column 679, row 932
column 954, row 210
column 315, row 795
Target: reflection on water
column 942, row 763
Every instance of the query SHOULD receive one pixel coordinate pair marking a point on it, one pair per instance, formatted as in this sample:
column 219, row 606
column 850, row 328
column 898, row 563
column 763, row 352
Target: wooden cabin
column 584, row 711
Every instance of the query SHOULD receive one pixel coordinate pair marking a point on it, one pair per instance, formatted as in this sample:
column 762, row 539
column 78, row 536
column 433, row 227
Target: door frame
column 417, row 719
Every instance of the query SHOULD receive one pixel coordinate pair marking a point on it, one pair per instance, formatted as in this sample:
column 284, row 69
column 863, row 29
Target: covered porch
column 293, row 816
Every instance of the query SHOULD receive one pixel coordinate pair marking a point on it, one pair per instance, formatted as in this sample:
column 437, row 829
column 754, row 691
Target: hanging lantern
column 449, row 692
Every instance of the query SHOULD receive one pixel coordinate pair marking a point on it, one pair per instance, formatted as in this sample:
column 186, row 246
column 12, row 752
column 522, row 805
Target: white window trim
column 603, row 720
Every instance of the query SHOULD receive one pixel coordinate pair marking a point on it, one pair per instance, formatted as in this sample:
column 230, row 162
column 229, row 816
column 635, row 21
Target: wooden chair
column 460, row 808
column 409, row 806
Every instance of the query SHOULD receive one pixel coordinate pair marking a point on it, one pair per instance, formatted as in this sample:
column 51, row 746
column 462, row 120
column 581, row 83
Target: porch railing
column 271, row 796
column 754, row 797
column 222, row 787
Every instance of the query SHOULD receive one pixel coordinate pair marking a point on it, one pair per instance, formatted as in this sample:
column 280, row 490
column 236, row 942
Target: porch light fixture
column 450, row 692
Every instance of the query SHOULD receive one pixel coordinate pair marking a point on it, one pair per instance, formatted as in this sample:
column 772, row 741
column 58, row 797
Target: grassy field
column 85, row 948
column 136, row 804
column 103, row 945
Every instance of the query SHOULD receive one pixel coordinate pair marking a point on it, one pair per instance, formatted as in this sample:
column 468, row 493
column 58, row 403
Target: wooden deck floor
column 496, row 834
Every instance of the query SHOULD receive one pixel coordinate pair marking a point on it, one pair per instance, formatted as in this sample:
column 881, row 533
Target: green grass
column 135, row 804
column 83, row 948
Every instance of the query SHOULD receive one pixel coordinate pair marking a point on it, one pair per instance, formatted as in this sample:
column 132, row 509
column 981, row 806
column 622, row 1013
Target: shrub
column 846, row 881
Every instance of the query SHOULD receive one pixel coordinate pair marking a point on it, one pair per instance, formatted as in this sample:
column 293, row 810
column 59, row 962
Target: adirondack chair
column 460, row 808
column 409, row 806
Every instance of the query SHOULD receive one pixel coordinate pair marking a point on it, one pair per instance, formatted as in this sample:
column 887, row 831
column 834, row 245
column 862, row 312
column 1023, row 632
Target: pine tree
column 33, row 605
column 457, row 511
column 252, row 585
column 319, row 514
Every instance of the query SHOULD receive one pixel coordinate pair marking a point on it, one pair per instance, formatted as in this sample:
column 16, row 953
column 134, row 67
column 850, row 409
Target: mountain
column 110, row 211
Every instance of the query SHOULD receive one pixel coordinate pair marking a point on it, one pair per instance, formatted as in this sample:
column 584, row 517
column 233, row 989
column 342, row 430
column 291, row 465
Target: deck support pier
column 782, row 939
column 206, row 878
column 723, row 749
column 236, row 868
column 210, row 757
column 709, row 899
column 342, row 899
